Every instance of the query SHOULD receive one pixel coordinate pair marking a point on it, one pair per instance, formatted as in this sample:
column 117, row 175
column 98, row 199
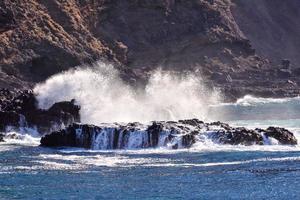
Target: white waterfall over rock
column 170, row 134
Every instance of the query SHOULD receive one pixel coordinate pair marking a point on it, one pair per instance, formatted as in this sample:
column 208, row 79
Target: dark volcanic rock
column 59, row 139
column 20, row 109
column 154, row 132
column 238, row 136
column 1, row 137
column 181, row 134
column 8, row 119
column 282, row 135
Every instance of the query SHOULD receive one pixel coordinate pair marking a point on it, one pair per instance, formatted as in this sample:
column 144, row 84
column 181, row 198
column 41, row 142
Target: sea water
column 204, row 171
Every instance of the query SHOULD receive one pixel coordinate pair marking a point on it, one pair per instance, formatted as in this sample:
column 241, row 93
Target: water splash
column 104, row 97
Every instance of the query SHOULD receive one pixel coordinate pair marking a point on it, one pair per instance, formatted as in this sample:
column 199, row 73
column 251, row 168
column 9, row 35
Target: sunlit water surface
column 206, row 171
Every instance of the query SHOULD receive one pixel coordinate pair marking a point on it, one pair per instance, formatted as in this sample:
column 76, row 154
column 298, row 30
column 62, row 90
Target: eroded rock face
column 42, row 38
column 258, row 18
column 20, row 109
column 181, row 134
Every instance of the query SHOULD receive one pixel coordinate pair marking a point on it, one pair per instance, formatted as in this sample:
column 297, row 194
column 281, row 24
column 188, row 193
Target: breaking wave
column 255, row 108
column 104, row 97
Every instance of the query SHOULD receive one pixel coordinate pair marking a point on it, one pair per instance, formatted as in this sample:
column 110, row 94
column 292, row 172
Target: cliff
column 219, row 38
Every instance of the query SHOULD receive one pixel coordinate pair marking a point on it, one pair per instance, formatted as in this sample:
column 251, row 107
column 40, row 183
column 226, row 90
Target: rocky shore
column 233, row 48
column 20, row 109
column 171, row 134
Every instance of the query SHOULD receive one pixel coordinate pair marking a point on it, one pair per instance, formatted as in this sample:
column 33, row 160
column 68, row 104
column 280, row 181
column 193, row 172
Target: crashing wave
column 255, row 108
column 104, row 97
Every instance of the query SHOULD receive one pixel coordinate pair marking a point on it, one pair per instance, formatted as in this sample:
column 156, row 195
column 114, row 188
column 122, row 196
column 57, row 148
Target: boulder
column 8, row 119
column 282, row 135
column 20, row 109
column 238, row 136
column 1, row 137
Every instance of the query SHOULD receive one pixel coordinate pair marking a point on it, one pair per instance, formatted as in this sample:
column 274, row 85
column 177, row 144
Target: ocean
column 205, row 171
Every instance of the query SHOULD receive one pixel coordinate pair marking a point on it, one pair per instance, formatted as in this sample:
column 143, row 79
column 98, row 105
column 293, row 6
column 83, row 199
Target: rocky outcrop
column 8, row 119
column 282, row 135
column 237, row 136
column 1, row 137
column 181, row 134
column 20, row 109
column 41, row 38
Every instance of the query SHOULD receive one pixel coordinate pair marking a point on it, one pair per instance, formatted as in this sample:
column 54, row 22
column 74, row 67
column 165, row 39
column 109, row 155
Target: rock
column 296, row 71
column 284, row 73
column 154, row 131
column 291, row 82
column 218, row 77
column 189, row 139
column 1, row 137
column 19, row 109
column 285, row 64
column 8, row 119
column 181, row 134
column 59, row 139
column 238, row 136
column 282, row 135
column 192, row 122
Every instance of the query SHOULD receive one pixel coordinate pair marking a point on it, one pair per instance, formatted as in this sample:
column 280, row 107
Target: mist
column 104, row 97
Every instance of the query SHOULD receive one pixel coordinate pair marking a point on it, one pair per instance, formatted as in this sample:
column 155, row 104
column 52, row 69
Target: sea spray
column 104, row 97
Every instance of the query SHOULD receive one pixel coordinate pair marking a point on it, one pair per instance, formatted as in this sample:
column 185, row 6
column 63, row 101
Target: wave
column 256, row 108
column 250, row 100
column 124, row 160
column 18, row 138
column 104, row 97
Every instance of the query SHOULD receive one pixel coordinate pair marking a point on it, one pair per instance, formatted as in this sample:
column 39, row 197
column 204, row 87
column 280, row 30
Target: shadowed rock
column 1, row 137
column 282, row 135
column 20, row 109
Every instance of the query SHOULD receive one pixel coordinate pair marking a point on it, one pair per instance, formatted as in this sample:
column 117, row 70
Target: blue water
column 206, row 171
column 149, row 175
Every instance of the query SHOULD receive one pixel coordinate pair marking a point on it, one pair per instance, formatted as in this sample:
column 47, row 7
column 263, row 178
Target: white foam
column 124, row 161
column 21, row 139
column 249, row 100
column 104, row 97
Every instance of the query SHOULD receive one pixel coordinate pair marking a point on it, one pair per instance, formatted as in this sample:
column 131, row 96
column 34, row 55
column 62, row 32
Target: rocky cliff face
column 40, row 38
column 272, row 27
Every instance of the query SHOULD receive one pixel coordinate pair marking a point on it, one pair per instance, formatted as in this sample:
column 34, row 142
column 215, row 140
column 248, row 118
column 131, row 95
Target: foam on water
column 20, row 138
column 255, row 108
column 250, row 100
column 123, row 160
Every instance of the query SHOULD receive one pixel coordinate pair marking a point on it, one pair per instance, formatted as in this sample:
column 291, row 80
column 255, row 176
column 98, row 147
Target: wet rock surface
column 1, row 137
column 282, row 135
column 181, row 134
column 19, row 109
